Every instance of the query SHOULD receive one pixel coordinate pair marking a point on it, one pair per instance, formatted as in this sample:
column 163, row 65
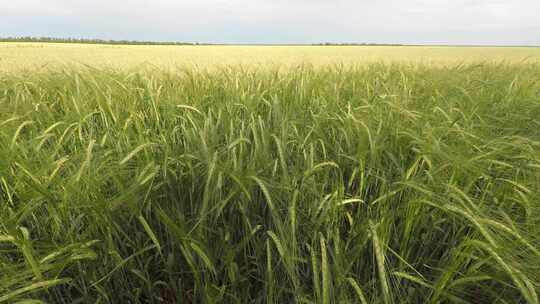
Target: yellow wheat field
column 42, row 56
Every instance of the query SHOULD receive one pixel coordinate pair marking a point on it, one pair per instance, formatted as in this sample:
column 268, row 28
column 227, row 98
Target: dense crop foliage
column 377, row 184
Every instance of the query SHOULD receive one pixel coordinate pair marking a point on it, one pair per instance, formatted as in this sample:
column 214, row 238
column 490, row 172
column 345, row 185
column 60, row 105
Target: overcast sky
column 500, row 22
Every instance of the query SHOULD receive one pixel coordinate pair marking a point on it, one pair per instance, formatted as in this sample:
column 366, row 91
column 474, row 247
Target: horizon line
column 45, row 39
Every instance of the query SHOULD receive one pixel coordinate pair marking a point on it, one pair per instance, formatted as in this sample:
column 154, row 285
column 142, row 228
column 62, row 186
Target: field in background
column 375, row 183
column 38, row 56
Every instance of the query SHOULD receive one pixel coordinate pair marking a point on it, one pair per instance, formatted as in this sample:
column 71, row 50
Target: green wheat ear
column 375, row 183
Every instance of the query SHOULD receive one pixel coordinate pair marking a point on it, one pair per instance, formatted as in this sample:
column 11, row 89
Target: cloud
column 279, row 21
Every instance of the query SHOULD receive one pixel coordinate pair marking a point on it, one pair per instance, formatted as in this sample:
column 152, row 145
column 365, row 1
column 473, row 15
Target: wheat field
column 34, row 57
column 228, row 174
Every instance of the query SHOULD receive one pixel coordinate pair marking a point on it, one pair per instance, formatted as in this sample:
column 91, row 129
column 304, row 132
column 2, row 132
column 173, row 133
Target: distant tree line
column 138, row 42
column 90, row 41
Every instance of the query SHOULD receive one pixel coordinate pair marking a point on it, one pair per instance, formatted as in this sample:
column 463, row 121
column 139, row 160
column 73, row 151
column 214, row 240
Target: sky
column 478, row 22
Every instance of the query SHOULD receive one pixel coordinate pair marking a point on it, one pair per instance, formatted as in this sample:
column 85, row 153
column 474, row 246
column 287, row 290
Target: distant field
column 24, row 56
